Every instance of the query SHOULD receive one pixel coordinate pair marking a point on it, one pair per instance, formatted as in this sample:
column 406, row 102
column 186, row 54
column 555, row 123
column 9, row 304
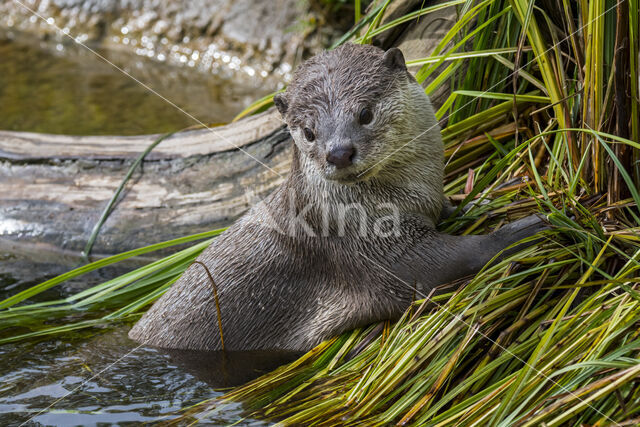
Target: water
column 104, row 378
column 100, row 377
column 66, row 89
column 141, row 387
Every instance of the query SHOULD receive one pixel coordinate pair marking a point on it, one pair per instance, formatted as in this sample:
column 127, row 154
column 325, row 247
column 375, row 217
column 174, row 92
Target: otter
column 349, row 238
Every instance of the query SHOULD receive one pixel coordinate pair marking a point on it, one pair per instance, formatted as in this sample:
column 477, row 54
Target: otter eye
column 365, row 116
column 308, row 133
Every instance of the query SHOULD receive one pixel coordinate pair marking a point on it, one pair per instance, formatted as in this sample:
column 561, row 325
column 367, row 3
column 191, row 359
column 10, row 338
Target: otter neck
column 330, row 204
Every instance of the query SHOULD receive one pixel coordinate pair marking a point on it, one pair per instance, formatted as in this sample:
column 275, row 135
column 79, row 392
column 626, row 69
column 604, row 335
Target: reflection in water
column 229, row 369
column 71, row 91
column 144, row 385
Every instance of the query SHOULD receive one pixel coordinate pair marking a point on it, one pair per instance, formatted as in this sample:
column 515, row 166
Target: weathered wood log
column 54, row 187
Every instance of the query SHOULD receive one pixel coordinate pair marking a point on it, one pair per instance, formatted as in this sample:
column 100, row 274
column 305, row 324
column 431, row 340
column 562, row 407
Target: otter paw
column 523, row 228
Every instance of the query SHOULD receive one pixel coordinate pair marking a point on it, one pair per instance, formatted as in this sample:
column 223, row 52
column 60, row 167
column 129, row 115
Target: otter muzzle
column 341, row 157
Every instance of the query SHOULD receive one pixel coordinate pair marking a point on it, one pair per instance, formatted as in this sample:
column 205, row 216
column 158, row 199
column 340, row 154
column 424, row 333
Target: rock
column 226, row 29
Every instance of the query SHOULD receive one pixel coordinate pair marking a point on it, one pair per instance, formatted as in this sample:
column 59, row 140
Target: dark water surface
column 99, row 380
column 66, row 89
column 141, row 387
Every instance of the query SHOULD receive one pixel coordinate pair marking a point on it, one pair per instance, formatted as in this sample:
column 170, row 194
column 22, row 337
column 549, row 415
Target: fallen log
column 53, row 188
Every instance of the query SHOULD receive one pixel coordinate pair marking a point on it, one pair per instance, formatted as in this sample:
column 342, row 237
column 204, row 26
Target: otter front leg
column 442, row 258
column 471, row 253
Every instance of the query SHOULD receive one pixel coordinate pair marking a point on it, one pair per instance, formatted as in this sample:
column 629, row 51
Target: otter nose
column 341, row 157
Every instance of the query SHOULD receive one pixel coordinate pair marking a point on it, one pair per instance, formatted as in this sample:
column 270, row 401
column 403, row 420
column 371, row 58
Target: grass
column 543, row 116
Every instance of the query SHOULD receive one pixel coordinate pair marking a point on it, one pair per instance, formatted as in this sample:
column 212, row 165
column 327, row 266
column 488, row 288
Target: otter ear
column 394, row 59
column 280, row 99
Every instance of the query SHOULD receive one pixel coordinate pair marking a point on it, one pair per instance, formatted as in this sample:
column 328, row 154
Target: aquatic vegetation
column 543, row 116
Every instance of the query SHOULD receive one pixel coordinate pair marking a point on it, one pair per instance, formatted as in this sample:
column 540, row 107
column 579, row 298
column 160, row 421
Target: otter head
column 349, row 109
